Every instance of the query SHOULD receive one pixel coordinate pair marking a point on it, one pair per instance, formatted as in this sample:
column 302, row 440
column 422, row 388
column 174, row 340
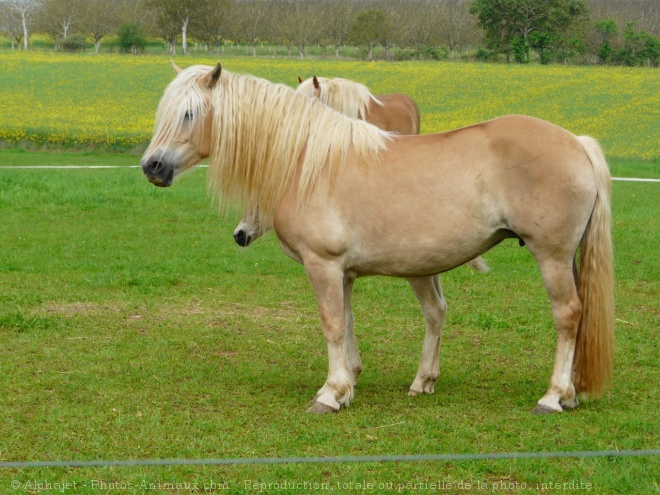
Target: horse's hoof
column 413, row 393
column 540, row 410
column 320, row 408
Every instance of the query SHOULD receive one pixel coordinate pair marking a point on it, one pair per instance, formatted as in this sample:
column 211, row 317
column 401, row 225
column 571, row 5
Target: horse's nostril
column 242, row 238
column 157, row 166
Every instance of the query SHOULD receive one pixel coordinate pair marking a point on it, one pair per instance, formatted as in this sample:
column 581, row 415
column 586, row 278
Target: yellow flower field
column 110, row 100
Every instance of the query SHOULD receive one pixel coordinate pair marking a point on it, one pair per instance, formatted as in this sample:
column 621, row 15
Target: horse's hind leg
column 479, row 264
column 429, row 295
column 566, row 310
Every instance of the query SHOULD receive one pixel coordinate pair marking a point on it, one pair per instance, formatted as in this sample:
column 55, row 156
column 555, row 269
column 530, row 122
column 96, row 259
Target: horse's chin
column 162, row 181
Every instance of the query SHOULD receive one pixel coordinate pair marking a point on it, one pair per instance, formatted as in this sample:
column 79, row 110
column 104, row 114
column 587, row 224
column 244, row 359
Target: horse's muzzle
column 242, row 238
column 158, row 171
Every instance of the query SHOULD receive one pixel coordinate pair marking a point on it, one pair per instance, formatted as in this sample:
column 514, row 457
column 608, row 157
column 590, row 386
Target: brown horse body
column 396, row 113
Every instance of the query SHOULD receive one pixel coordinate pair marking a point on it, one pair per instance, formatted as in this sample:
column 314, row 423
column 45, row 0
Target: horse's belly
column 416, row 256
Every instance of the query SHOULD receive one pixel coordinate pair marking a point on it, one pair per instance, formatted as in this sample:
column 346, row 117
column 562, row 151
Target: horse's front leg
column 429, row 295
column 352, row 353
column 327, row 279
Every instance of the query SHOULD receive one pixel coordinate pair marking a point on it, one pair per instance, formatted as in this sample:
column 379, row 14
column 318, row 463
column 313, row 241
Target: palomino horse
column 391, row 112
column 345, row 203
column 396, row 113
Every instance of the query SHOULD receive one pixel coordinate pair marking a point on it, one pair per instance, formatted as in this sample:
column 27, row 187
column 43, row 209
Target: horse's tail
column 594, row 349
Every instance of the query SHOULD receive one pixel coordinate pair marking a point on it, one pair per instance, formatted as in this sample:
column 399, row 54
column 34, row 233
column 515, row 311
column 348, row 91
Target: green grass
column 635, row 168
column 133, row 327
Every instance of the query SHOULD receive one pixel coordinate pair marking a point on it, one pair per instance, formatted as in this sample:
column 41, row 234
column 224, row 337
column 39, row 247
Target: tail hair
column 594, row 349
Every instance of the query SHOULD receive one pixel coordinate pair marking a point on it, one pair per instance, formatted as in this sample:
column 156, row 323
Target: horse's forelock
column 182, row 96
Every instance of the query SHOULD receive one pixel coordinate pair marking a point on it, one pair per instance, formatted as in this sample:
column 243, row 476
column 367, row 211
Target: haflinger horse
column 391, row 112
column 345, row 202
column 396, row 113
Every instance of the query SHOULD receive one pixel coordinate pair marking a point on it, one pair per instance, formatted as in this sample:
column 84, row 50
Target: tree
column 301, row 23
column 493, row 19
column 131, row 38
column 638, row 47
column 131, row 12
column 368, row 29
column 97, row 20
column 651, row 50
column 10, row 26
column 391, row 30
column 22, row 13
column 459, row 29
column 57, row 17
column 509, row 24
column 179, row 12
column 644, row 13
column 566, row 21
column 251, row 22
column 607, row 30
column 337, row 16
column 212, row 24
column 425, row 24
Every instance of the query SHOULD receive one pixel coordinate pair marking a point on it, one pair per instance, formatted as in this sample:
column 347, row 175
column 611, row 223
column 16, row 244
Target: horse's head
column 182, row 131
column 310, row 87
column 250, row 228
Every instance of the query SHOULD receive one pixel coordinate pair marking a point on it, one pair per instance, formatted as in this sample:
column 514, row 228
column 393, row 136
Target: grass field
column 132, row 326
column 110, row 100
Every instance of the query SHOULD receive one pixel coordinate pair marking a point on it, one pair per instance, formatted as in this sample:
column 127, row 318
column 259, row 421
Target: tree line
column 621, row 32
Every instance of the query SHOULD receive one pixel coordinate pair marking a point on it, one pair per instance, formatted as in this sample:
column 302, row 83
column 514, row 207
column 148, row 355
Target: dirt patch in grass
column 72, row 309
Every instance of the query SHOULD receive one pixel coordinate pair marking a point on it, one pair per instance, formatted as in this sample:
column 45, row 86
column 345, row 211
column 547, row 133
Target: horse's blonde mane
column 263, row 131
column 348, row 97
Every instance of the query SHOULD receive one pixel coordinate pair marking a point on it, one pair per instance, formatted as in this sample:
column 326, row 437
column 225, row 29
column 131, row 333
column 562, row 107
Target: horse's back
column 515, row 173
column 397, row 113
column 514, row 148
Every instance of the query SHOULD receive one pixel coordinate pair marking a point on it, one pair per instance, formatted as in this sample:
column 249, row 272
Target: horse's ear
column 213, row 76
column 176, row 68
column 316, row 83
column 300, row 80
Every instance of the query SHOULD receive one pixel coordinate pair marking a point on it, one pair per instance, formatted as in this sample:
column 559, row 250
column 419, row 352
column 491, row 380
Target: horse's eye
column 188, row 115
